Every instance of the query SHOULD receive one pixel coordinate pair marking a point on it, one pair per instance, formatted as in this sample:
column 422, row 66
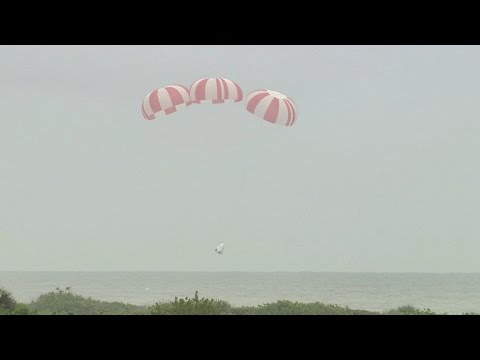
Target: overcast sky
column 381, row 172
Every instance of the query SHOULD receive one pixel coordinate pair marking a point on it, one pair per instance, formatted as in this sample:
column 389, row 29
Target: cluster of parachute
column 268, row 105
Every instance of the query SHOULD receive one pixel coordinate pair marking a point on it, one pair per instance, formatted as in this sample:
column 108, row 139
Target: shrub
column 7, row 301
column 64, row 302
column 409, row 310
column 286, row 307
column 193, row 306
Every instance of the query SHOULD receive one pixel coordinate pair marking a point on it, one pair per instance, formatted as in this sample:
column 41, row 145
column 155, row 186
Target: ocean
column 452, row 293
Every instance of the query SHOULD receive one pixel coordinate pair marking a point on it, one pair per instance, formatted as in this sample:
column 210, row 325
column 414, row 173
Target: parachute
column 219, row 249
column 215, row 91
column 272, row 106
column 165, row 101
column 268, row 105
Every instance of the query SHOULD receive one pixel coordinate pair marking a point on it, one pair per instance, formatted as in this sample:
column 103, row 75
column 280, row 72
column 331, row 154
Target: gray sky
column 380, row 173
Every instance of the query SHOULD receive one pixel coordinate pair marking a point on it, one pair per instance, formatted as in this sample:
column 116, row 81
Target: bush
column 64, row 302
column 193, row 306
column 7, row 301
column 286, row 307
column 409, row 310
column 23, row 309
column 203, row 306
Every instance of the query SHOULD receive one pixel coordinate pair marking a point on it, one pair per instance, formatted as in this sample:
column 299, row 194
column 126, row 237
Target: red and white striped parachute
column 165, row 101
column 272, row 106
column 268, row 105
column 215, row 91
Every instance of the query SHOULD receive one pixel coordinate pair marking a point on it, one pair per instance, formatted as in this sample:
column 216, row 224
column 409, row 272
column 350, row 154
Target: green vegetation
column 193, row 306
column 64, row 302
column 285, row 307
column 409, row 310
column 7, row 301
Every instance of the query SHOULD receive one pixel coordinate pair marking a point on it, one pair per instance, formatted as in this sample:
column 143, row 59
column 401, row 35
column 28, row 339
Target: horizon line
column 241, row 271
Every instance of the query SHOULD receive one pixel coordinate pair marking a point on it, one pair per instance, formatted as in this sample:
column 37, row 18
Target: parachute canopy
column 165, row 101
column 219, row 249
column 272, row 106
column 215, row 91
column 268, row 105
